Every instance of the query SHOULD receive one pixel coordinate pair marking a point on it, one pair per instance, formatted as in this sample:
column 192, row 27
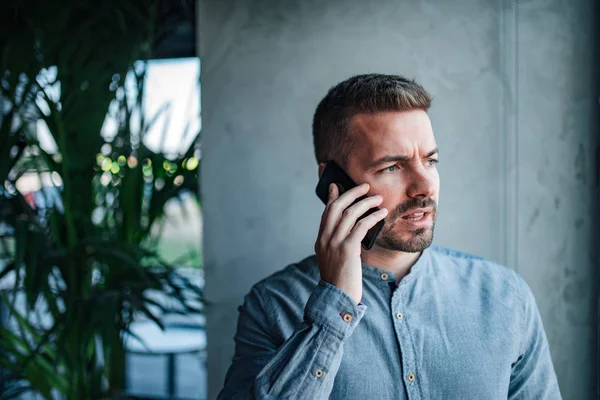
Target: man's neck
column 397, row 262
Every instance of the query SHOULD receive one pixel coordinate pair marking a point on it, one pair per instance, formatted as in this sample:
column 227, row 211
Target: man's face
column 396, row 154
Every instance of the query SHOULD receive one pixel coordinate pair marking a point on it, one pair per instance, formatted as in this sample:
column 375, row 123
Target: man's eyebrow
column 432, row 152
column 387, row 159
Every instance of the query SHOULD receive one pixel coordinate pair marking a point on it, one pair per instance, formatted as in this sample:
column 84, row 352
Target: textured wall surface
column 557, row 123
column 513, row 111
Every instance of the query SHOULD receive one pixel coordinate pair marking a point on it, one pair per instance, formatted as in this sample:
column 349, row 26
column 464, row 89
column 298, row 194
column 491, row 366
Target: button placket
column 403, row 334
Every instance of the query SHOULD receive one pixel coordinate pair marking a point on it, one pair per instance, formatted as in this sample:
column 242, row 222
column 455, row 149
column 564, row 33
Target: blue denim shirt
column 455, row 327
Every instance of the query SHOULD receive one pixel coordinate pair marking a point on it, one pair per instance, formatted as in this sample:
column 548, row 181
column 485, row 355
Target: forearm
column 305, row 365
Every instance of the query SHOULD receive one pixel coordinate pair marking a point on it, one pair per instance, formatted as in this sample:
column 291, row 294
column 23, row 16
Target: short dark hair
column 367, row 93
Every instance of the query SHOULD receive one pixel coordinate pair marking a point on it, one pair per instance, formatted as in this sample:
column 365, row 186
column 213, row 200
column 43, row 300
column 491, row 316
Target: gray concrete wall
column 557, row 209
column 514, row 100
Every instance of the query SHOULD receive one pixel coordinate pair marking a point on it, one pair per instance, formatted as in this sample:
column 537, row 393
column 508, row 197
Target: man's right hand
column 338, row 245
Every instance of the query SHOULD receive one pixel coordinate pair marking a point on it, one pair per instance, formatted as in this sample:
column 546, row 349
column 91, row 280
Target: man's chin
column 418, row 240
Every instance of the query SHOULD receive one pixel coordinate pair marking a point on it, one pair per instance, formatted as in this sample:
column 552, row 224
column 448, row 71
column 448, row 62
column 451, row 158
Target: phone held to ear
column 333, row 173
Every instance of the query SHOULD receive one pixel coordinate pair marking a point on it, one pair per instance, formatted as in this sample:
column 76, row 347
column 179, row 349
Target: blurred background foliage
column 84, row 251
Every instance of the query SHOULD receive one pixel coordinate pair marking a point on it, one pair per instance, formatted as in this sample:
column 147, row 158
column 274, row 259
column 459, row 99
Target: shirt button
column 411, row 377
column 384, row 276
column 399, row 315
column 347, row 317
column 319, row 373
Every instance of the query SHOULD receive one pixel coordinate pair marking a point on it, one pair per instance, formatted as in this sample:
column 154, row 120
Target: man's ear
column 321, row 168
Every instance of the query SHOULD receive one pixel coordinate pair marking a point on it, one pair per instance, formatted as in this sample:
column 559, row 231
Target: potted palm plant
column 90, row 272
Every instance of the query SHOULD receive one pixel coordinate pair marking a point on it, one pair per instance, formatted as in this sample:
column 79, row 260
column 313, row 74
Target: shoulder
column 494, row 278
column 452, row 254
column 472, row 264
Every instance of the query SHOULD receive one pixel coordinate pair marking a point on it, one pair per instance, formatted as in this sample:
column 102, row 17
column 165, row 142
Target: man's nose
column 421, row 185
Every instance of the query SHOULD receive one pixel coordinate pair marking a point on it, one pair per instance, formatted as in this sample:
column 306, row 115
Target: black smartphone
column 333, row 173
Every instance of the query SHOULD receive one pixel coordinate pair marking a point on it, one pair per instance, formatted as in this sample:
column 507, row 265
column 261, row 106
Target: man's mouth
column 414, row 216
column 418, row 218
column 417, row 213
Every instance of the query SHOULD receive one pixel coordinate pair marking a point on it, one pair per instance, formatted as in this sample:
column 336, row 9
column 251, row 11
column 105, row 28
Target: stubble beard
column 420, row 238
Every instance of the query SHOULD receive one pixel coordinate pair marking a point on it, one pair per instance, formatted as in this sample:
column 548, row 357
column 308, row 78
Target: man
column 404, row 320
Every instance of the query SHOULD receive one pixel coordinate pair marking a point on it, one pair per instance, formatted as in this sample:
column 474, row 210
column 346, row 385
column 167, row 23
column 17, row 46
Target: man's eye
column 391, row 168
column 432, row 162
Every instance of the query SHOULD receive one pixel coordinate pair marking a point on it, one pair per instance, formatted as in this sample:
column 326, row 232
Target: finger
column 362, row 227
column 344, row 200
column 351, row 215
column 333, row 195
column 335, row 208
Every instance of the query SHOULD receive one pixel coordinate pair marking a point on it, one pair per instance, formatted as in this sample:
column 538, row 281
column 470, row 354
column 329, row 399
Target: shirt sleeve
column 533, row 375
column 305, row 365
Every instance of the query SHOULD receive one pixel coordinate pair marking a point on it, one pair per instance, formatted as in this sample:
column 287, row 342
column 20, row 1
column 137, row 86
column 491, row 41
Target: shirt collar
column 381, row 275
